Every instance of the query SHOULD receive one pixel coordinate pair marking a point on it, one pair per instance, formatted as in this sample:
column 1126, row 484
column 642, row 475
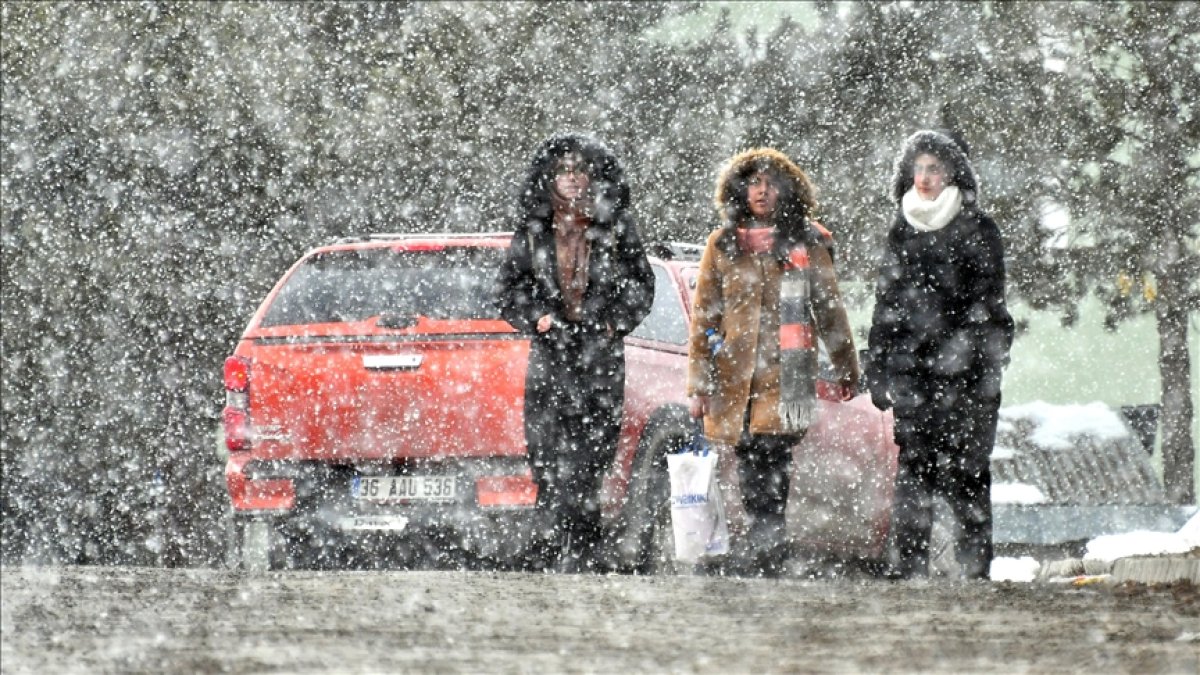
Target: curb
column 1143, row 570
column 1158, row 570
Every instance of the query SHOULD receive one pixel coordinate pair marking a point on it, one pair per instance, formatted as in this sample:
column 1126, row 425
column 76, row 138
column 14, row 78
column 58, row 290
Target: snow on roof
column 1017, row 493
column 1056, row 425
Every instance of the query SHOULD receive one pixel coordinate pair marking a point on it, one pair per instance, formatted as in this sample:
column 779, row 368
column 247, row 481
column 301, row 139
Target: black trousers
column 764, row 469
column 574, row 394
column 946, row 453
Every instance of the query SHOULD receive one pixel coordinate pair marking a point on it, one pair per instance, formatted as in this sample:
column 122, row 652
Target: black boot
column 570, row 554
column 909, row 566
column 770, row 550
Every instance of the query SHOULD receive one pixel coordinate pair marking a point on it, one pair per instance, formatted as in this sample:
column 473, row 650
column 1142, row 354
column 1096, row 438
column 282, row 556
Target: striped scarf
column 798, row 365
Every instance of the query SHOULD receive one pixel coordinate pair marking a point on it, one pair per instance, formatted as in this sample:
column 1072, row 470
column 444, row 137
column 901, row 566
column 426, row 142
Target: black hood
column 952, row 153
column 605, row 173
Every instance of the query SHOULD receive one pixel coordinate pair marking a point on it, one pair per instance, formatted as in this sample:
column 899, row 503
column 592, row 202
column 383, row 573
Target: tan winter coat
column 733, row 289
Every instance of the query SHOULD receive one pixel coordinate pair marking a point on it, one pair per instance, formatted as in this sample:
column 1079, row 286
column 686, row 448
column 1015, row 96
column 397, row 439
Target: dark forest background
column 164, row 162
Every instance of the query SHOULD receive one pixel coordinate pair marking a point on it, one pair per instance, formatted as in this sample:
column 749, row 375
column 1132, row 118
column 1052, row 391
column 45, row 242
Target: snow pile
column 1024, row 568
column 1056, row 425
column 1016, row 493
column 1110, row 547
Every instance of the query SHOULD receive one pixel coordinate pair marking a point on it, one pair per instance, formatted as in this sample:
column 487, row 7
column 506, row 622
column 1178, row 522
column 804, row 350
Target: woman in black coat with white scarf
column 939, row 339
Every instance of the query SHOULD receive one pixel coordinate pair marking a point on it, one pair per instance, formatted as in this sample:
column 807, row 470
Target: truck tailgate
column 435, row 397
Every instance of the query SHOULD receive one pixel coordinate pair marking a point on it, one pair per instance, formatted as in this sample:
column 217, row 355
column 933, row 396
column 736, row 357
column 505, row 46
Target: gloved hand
column 879, row 396
column 877, row 383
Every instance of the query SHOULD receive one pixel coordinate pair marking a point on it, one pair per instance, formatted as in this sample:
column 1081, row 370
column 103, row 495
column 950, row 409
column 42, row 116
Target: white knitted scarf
column 930, row 216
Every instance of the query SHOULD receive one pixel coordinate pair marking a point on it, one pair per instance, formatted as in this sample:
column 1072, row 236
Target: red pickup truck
column 374, row 413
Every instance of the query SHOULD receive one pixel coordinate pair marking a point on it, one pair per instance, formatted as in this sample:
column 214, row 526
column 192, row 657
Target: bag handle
column 698, row 444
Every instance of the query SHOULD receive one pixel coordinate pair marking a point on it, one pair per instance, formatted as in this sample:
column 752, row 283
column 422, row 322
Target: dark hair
column 788, row 207
column 950, row 151
column 605, row 174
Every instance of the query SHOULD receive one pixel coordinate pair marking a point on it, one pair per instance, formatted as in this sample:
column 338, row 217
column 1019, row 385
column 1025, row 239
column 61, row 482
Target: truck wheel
column 943, row 559
column 649, row 540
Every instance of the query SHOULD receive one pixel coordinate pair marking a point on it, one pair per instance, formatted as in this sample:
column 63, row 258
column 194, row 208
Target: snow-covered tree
column 1128, row 97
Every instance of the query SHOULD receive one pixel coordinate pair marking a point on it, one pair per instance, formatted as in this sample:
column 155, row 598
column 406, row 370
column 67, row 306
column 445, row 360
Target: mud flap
column 254, row 545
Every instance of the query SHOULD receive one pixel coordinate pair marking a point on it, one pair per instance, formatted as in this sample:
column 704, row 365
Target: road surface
column 101, row 620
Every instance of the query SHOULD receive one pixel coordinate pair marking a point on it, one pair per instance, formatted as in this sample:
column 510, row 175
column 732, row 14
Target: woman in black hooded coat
column 939, row 338
column 576, row 281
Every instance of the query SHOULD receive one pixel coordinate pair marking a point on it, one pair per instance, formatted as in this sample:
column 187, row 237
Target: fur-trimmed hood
column 605, row 172
column 794, row 211
column 952, row 152
column 797, row 196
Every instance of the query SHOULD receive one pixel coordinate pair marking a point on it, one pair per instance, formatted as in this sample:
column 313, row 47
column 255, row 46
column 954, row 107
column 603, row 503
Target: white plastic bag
column 697, row 513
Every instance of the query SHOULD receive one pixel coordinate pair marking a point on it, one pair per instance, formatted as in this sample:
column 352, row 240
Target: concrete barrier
column 1156, row 570
column 1140, row 570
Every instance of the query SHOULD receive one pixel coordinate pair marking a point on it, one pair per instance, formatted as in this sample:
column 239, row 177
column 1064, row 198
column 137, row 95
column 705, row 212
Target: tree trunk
column 1174, row 363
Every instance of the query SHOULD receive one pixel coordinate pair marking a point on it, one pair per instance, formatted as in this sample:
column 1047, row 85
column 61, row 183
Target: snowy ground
column 75, row 619
column 79, row 619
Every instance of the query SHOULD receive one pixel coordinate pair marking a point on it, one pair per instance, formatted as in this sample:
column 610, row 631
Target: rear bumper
column 494, row 509
column 250, row 494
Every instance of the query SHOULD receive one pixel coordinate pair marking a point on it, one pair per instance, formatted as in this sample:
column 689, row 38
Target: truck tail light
column 237, row 373
column 236, row 416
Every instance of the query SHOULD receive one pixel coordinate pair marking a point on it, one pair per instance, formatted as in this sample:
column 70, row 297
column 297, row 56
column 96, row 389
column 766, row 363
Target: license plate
column 399, row 489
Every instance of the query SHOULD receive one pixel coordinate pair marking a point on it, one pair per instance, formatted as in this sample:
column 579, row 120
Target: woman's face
column 929, row 176
column 571, row 177
column 762, row 194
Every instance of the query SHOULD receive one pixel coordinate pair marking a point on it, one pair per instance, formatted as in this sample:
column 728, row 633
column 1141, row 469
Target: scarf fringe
column 795, row 417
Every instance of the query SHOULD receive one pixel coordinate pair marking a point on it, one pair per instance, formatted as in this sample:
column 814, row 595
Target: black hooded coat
column 939, row 339
column 941, row 331
column 574, row 386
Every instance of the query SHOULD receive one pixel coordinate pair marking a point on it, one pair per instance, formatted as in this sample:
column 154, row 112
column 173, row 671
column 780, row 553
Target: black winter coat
column 619, row 291
column 574, row 385
column 941, row 330
column 620, row 282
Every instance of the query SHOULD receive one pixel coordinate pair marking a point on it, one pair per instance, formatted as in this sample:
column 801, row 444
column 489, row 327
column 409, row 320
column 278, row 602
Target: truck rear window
column 346, row 286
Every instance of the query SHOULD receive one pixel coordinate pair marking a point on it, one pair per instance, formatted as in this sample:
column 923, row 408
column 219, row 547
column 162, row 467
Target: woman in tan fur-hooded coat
column 766, row 290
